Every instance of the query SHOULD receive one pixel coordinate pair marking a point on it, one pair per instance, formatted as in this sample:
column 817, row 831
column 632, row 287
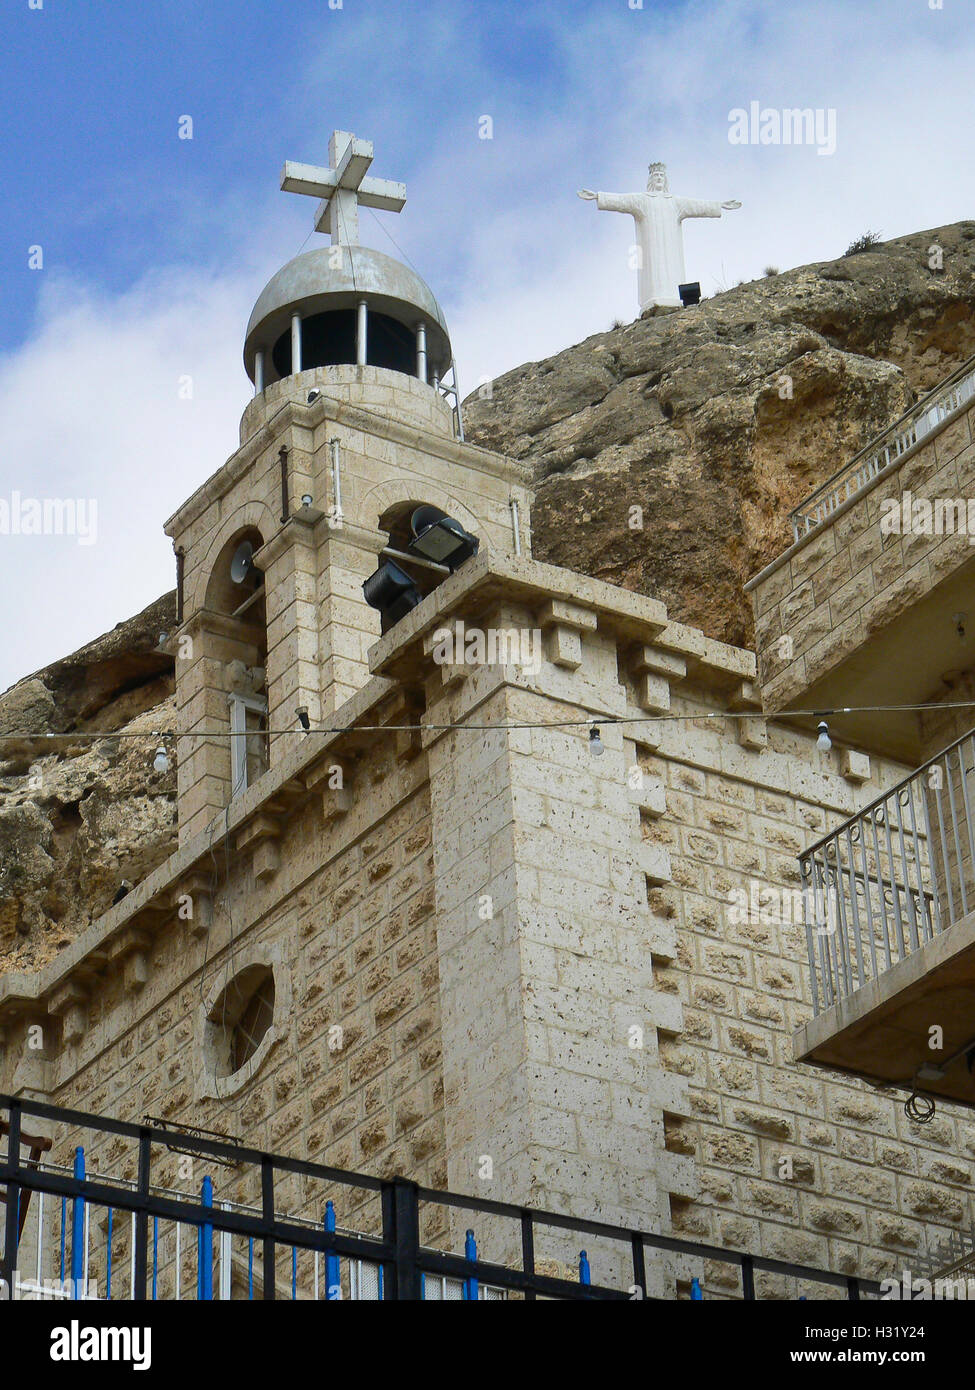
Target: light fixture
column 439, row 537
column 690, row 293
column 303, row 720
column 161, row 761
column 823, row 742
column 392, row 592
column 306, row 499
column 596, row 746
column 313, row 395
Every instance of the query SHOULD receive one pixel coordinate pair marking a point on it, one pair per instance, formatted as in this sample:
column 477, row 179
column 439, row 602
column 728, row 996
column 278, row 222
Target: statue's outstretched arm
column 697, row 207
column 615, row 202
column 700, row 207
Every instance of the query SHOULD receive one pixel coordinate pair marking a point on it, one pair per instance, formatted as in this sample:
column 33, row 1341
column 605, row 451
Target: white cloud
column 91, row 409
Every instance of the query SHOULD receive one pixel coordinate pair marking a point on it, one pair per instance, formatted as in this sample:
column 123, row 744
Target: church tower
column 355, row 424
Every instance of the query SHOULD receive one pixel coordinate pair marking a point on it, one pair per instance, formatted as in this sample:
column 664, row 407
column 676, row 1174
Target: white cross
column 343, row 187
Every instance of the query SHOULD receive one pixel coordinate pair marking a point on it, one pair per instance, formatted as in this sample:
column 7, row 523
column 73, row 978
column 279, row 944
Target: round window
column 240, row 1019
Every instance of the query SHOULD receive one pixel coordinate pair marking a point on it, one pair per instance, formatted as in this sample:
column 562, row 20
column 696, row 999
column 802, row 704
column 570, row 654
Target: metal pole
column 204, row 1278
column 515, row 529
column 267, row 1212
column 78, row 1226
column 401, row 1228
column 460, row 418
column 335, row 447
column 470, row 1252
column 421, row 350
column 180, row 568
column 361, row 333
column 333, row 1269
column 285, row 499
column 295, row 344
column 528, row 1250
column 140, row 1220
column 12, row 1223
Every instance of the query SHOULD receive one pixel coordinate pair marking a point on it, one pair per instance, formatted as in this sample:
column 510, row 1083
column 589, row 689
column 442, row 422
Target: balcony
column 843, row 615
column 901, row 438
column 890, row 931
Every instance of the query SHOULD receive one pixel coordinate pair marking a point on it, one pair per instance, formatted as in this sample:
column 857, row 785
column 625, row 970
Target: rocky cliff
column 667, row 455
column 713, row 422
column 81, row 808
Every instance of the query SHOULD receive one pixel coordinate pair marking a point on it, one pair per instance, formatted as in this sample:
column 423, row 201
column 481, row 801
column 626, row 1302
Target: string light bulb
column 824, row 743
column 161, row 761
column 596, row 746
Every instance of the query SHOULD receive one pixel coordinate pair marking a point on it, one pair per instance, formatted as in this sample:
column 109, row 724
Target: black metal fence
column 405, row 1266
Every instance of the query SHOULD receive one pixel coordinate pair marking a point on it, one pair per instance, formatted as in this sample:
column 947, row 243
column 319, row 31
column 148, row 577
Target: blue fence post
column 696, row 1295
column 78, row 1227
column 470, row 1253
column 155, row 1258
column 333, row 1268
column 108, row 1256
column 294, row 1272
column 204, row 1248
column 64, row 1232
column 250, row 1267
column 585, row 1273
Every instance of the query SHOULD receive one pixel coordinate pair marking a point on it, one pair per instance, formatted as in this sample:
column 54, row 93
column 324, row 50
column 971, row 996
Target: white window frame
column 240, row 707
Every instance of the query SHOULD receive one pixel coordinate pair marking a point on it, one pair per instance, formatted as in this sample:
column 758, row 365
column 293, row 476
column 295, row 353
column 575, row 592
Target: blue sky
column 155, row 248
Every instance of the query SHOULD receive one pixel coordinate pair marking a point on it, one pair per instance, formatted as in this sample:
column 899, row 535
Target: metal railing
column 881, row 453
column 892, row 877
column 393, row 1264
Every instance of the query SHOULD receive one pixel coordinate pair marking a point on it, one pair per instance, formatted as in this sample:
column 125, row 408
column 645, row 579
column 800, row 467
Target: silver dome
column 310, row 284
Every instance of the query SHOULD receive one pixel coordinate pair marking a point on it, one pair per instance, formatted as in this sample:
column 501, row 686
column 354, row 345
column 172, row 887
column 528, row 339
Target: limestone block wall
column 793, row 1162
column 348, row 926
column 555, row 1093
column 845, row 581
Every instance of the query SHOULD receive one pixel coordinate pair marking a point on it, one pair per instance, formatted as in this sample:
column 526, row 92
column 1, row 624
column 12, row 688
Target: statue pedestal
column 655, row 310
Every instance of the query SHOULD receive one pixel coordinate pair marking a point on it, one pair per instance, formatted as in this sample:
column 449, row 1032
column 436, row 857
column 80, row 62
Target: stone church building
column 493, row 882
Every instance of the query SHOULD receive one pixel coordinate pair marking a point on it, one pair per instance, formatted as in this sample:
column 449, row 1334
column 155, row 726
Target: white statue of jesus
column 658, row 215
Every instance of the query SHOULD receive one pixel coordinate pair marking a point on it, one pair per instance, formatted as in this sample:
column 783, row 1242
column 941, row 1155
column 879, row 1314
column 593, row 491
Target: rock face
column 81, row 807
column 704, row 427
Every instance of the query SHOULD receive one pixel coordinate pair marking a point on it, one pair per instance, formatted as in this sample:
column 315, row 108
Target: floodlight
column 392, row 592
column 439, row 537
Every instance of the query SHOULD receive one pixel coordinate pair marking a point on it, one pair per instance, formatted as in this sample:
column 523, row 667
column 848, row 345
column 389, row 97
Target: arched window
column 236, row 592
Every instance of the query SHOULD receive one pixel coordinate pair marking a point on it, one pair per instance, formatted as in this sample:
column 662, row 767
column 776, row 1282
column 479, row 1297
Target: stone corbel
column 262, row 836
column 336, row 801
column 407, row 742
column 752, row 732
column 563, row 624
column 130, row 951
column 198, row 889
column 69, row 1002
column 854, row 766
column 655, row 671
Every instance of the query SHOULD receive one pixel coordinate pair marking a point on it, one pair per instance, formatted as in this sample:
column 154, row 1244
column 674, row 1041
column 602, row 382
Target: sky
column 132, row 257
